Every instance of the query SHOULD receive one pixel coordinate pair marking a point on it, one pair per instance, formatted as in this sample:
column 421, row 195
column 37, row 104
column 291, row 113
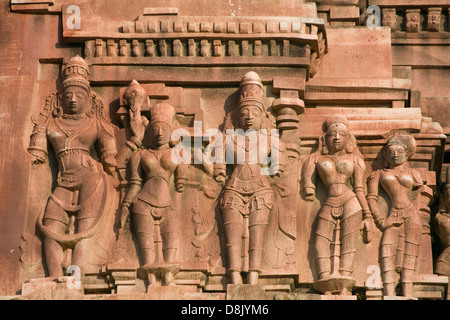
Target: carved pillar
column 287, row 109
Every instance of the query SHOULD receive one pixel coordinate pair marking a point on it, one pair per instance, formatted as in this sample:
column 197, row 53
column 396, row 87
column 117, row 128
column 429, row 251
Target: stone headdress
column 404, row 140
column 76, row 73
column 340, row 122
column 163, row 112
column 250, row 93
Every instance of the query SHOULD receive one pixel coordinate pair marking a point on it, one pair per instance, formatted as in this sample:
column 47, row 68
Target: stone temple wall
column 114, row 115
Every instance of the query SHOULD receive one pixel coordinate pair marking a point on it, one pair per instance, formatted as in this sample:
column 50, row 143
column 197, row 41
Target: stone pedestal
column 62, row 288
column 246, row 292
column 337, row 297
column 335, row 284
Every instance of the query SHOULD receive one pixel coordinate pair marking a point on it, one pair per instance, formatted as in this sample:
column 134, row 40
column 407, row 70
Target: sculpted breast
column 395, row 178
column 345, row 167
column 149, row 162
column 406, row 180
column 326, row 166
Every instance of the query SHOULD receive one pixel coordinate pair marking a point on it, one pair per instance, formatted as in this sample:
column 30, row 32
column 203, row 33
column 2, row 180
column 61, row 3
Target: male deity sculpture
column 336, row 162
column 248, row 197
column 73, row 124
column 151, row 197
column 443, row 230
column 402, row 228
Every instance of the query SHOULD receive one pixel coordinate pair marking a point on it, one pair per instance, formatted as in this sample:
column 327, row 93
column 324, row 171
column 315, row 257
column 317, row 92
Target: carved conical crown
column 76, row 73
column 162, row 112
column 251, row 91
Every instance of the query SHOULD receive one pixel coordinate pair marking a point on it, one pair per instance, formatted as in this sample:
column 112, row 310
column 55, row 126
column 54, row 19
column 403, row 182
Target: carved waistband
column 247, row 186
column 158, row 174
column 64, row 152
column 338, row 201
column 409, row 211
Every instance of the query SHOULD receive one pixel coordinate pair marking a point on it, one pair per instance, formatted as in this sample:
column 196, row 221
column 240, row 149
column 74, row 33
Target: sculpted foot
column 253, row 277
column 235, row 277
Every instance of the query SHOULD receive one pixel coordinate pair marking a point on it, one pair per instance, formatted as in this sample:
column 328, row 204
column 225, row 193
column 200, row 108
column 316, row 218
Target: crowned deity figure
column 248, row 196
column 337, row 162
column 402, row 228
column 73, row 124
column 154, row 176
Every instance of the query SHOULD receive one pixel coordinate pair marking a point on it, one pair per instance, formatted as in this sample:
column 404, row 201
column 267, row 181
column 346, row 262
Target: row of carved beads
column 165, row 26
column 416, row 20
column 190, row 47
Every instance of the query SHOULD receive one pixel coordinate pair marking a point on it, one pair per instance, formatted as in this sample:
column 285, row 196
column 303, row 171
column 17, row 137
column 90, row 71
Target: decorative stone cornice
column 413, row 22
column 216, row 41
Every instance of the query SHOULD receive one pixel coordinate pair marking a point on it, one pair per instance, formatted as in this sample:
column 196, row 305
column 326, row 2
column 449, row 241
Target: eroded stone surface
column 125, row 109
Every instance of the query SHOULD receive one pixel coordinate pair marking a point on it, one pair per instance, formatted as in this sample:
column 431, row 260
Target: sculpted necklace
column 72, row 117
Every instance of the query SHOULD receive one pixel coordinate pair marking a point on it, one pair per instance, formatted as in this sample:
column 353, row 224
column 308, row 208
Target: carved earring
column 90, row 112
column 323, row 145
column 57, row 110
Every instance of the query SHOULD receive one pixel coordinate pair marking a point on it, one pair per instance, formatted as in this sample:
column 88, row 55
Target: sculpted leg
column 387, row 259
column 233, row 224
column 170, row 236
column 56, row 219
column 53, row 251
column 145, row 229
column 90, row 198
column 412, row 236
column 80, row 254
column 258, row 222
column 322, row 241
column 350, row 226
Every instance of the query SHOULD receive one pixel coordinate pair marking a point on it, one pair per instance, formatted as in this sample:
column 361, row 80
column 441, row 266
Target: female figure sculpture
column 336, row 161
column 402, row 227
column 151, row 198
column 73, row 129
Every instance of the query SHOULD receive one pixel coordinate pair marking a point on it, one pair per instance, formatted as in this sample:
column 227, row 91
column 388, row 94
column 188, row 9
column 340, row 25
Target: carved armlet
column 34, row 148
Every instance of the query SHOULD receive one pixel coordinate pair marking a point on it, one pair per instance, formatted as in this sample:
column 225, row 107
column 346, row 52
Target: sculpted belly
column 158, row 169
column 72, row 147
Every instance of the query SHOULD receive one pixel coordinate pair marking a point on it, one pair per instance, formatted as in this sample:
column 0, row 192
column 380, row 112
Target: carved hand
column 38, row 157
column 368, row 226
column 390, row 222
column 220, row 178
column 124, row 213
column 310, row 194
